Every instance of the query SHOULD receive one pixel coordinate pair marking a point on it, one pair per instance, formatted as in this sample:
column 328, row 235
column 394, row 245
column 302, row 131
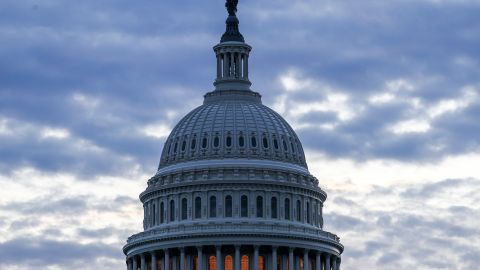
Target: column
column 219, row 257
column 189, row 262
column 274, row 258
column 129, row 264
column 284, row 262
column 166, row 259
column 219, row 67
column 237, row 258
column 200, row 258
column 232, row 63
column 135, row 267
column 182, row 258
column 225, row 65
column 246, row 67
column 327, row 262
column 338, row 263
column 306, row 263
column 318, row 262
column 290, row 259
column 334, row 263
column 154, row 261
column 143, row 265
column 255, row 257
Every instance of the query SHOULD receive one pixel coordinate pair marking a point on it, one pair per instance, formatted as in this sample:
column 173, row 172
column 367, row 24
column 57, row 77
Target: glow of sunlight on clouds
column 85, row 101
column 157, row 130
column 381, row 98
column 469, row 96
column 55, row 133
column 410, row 126
column 339, row 173
column 4, row 129
column 334, row 101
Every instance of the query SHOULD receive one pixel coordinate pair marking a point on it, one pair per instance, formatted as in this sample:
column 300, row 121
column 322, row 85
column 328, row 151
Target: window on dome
column 184, row 208
column 198, row 207
column 204, row 143
column 275, row 143
column 274, row 207
column 213, row 206
column 162, row 212
column 241, row 141
column 184, row 145
column 299, row 210
column 172, row 210
column 308, row 212
column 259, row 206
column 193, row 144
column 244, row 206
column 287, row 208
column 254, row 142
column 285, row 147
column 228, row 206
column 265, row 142
column 216, row 141
column 175, row 147
column 229, row 141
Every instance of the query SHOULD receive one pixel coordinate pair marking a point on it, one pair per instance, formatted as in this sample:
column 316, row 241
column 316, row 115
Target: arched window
column 299, row 210
column 259, row 206
column 308, row 212
column 175, row 147
column 241, row 141
column 229, row 141
column 198, row 207
column 193, row 144
column 184, row 208
column 274, row 207
column 213, row 206
column 254, row 141
column 228, row 206
column 162, row 212
column 265, row 142
column 275, row 143
column 261, row 263
column 172, row 210
column 228, row 263
column 212, row 263
column 287, row 208
column 204, row 143
column 244, row 206
column 184, row 145
column 245, row 262
column 216, row 141
column 285, row 147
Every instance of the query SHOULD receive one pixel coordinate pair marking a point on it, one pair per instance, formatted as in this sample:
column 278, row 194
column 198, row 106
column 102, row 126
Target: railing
column 173, row 230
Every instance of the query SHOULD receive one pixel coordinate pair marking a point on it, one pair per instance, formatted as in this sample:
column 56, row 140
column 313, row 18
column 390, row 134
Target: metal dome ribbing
column 232, row 124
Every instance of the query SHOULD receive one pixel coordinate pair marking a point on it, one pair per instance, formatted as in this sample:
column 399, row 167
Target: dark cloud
column 40, row 253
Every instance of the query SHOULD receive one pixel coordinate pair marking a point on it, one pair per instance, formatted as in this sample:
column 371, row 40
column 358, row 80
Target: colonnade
column 234, row 257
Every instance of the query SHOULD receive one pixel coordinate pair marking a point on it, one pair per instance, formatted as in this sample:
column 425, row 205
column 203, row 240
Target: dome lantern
column 232, row 55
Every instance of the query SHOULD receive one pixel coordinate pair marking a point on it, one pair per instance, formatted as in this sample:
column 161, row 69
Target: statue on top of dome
column 231, row 6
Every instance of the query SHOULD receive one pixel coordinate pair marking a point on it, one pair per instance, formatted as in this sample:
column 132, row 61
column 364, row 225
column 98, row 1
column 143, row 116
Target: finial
column 231, row 6
column 232, row 33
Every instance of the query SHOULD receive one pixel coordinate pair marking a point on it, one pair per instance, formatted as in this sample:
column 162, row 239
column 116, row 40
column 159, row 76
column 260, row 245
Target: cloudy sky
column 385, row 96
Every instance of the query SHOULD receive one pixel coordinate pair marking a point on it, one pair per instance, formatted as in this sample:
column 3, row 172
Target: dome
column 232, row 125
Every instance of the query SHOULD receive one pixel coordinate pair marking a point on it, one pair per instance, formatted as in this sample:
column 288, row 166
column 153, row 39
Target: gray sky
column 385, row 96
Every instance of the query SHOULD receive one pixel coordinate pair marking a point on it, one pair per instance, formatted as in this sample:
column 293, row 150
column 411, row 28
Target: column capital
column 306, row 250
column 199, row 248
column 237, row 246
column 274, row 247
column 218, row 246
column 181, row 248
column 291, row 248
column 256, row 247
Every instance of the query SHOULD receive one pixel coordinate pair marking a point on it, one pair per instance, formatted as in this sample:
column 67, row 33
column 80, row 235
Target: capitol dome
column 232, row 124
column 232, row 190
